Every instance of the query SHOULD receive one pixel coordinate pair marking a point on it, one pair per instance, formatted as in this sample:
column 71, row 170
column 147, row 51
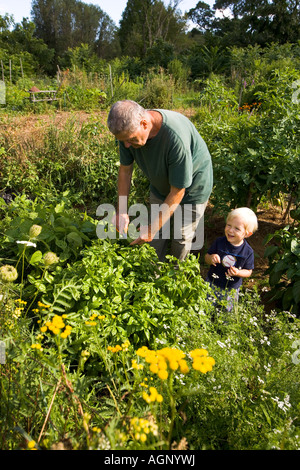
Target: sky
column 21, row 8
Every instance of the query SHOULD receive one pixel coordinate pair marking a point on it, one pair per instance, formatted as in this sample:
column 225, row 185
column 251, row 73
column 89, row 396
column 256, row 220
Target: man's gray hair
column 125, row 116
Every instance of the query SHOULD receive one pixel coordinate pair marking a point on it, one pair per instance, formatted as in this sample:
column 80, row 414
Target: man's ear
column 144, row 123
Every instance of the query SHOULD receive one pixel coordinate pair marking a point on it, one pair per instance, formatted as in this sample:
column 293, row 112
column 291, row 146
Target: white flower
column 283, row 405
column 25, row 242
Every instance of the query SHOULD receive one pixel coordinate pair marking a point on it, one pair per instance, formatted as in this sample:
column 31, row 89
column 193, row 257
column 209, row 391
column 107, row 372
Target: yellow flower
column 125, row 345
column 135, row 365
column 114, row 349
column 142, row 351
column 159, row 398
column 173, row 365
column 183, row 366
column 198, row 352
column 31, row 444
column 162, row 374
column 203, row 364
column 154, row 368
column 142, row 428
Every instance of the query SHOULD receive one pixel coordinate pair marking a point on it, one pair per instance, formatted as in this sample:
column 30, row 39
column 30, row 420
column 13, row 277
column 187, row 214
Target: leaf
column 270, row 251
column 74, row 239
column 59, row 207
column 295, row 247
column 36, row 257
column 287, row 298
column 266, row 414
column 296, row 292
column 280, row 266
column 274, row 278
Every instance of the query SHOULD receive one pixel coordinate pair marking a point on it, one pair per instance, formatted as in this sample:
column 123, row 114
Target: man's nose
column 127, row 144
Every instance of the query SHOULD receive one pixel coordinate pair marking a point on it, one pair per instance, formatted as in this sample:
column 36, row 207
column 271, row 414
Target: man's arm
column 168, row 207
column 124, row 183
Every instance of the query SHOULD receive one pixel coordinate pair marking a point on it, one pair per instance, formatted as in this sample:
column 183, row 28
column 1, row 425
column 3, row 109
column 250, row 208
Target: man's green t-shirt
column 176, row 156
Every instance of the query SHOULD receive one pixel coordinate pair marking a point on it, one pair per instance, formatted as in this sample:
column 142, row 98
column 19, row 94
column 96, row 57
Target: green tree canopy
column 64, row 24
column 250, row 21
column 144, row 22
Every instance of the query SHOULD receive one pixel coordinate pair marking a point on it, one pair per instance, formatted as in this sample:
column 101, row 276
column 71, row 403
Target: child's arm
column 212, row 259
column 233, row 271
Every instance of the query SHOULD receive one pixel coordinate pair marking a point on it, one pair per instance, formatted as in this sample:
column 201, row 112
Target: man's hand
column 145, row 236
column 121, row 221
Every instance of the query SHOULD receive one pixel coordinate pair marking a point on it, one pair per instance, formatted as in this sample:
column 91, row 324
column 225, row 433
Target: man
column 174, row 157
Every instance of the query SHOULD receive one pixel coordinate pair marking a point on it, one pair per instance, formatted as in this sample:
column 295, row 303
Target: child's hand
column 233, row 271
column 215, row 259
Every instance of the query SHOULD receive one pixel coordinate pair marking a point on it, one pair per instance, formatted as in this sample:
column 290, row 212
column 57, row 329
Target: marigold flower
column 203, row 364
column 142, row 351
column 198, row 352
column 142, row 428
column 135, row 365
column 183, row 366
column 114, row 349
column 31, row 444
column 154, row 368
column 162, row 374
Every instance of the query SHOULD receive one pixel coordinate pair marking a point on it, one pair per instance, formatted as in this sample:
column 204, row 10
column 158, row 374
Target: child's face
column 235, row 231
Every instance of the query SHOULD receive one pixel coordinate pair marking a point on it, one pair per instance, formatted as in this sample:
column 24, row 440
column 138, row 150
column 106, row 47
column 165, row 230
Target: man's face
column 136, row 139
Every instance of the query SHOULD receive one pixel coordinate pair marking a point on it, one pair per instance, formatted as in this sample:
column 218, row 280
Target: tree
column 249, row 21
column 260, row 21
column 144, row 22
column 18, row 41
column 202, row 15
column 65, row 24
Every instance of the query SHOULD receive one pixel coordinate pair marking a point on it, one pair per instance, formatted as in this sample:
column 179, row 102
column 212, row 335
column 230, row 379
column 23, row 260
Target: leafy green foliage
column 253, row 152
column 284, row 265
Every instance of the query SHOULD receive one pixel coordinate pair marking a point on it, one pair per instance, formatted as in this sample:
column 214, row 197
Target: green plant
column 284, row 266
column 157, row 91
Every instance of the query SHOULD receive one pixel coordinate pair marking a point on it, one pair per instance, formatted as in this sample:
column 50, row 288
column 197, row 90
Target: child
column 230, row 257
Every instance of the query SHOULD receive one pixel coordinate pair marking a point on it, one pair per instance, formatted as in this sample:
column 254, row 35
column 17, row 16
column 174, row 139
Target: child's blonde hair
column 247, row 215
